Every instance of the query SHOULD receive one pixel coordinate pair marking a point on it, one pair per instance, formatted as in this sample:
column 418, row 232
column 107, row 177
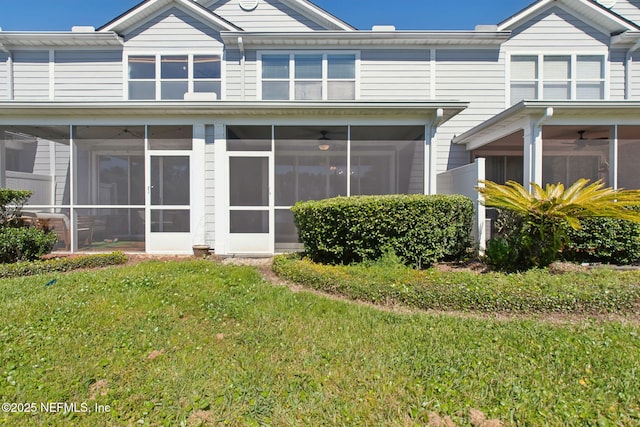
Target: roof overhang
column 19, row 39
column 527, row 113
column 367, row 38
column 319, row 14
column 590, row 9
column 308, row 9
column 149, row 8
column 439, row 111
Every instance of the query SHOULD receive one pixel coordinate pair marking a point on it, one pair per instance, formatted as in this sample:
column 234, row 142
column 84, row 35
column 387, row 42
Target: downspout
column 627, row 69
column 9, row 71
column 430, row 151
column 242, row 67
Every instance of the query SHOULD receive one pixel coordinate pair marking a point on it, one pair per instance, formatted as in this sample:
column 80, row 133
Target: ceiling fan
column 323, row 141
column 582, row 141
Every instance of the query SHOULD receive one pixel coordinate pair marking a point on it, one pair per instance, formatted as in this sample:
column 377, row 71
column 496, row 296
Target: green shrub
column 534, row 291
column 606, row 240
column 419, row 229
column 25, row 244
column 61, row 264
column 11, row 202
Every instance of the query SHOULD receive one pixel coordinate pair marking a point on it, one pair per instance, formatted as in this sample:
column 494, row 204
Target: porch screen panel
column 248, row 138
column 311, row 163
column 567, row 160
column 36, row 158
column 387, row 160
column 110, row 166
column 628, row 157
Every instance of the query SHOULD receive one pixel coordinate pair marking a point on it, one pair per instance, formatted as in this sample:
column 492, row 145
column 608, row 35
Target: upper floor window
column 170, row 77
column 308, row 76
column 557, row 77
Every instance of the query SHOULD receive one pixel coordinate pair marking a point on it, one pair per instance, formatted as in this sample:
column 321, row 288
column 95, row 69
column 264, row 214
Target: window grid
column 316, row 87
column 169, row 81
column 570, row 77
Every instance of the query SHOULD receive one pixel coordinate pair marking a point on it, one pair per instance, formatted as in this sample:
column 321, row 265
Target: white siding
column 94, row 75
column 234, row 75
column 31, row 75
column 270, row 15
column 546, row 30
column 4, row 76
column 395, row 75
column 616, row 74
column 173, row 28
column 630, row 9
column 476, row 76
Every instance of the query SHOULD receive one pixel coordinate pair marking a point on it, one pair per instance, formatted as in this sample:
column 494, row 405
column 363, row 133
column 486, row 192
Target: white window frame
column 158, row 67
column 573, row 80
column 325, row 72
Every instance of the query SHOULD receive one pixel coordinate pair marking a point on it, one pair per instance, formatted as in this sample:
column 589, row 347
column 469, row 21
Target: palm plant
column 543, row 214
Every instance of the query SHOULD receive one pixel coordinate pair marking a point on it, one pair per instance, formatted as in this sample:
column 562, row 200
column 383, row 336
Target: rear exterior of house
column 182, row 123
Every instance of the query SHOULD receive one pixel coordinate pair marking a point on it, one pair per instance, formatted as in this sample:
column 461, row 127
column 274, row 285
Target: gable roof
column 312, row 11
column 147, row 8
column 592, row 10
column 320, row 13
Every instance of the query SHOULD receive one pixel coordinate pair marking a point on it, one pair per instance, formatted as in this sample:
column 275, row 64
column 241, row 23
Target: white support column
column 198, row 186
column 533, row 150
column 221, row 190
column 613, row 158
column 431, row 152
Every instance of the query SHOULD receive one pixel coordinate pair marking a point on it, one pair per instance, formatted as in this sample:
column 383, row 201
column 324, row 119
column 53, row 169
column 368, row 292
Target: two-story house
column 186, row 122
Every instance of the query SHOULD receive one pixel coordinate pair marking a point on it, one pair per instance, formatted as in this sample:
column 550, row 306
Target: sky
column 61, row 15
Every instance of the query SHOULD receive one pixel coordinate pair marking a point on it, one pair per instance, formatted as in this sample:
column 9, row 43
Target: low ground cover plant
column 535, row 291
column 419, row 229
column 198, row 343
column 62, row 264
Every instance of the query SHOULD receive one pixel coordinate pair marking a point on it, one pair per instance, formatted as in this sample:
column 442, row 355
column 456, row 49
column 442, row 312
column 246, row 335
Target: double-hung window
column 557, row 77
column 308, row 76
column 169, row 77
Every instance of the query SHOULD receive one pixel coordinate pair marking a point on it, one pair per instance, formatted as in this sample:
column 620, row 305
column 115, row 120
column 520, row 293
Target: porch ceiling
column 413, row 109
column 527, row 113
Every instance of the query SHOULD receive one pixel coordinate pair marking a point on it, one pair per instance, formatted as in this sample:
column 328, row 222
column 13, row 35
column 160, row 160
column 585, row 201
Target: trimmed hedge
column 605, row 240
column 61, row 264
column 535, row 291
column 419, row 229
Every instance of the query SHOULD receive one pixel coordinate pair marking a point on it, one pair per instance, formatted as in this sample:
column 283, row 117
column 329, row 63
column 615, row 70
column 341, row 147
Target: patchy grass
column 196, row 343
column 537, row 291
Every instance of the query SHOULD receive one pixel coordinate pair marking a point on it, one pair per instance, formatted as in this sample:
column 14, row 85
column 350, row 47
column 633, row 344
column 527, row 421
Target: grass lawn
column 197, row 343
